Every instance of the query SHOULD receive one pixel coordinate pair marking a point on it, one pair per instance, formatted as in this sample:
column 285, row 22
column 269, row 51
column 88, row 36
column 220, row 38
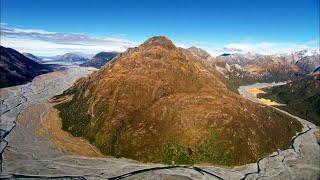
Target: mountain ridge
column 16, row 69
column 33, row 57
column 100, row 59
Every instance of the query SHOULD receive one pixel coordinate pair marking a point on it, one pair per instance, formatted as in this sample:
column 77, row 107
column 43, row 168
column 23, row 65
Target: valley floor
column 34, row 146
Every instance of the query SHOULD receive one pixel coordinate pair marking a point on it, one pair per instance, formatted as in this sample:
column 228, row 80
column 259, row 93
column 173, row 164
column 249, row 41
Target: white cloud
column 265, row 47
column 46, row 48
column 260, row 47
column 209, row 47
column 234, row 47
column 42, row 42
column 17, row 31
column 268, row 47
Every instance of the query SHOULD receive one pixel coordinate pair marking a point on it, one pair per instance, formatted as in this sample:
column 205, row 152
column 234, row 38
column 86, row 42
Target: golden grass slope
column 158, row 103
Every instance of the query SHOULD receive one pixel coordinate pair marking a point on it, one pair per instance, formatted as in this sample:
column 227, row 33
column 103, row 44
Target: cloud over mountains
column 42, row 42
column 268, row 47
column 51, row 43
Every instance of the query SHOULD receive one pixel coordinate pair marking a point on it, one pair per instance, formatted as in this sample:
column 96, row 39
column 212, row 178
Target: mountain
column 244, row 69
column 202, row 55
column 71, row 57
column 306, row 60
column 16, row 68
column 100, row 59
column 237, row 58
column 316, row 70
column 33, row 57
column 302, row 97
column 160, row 103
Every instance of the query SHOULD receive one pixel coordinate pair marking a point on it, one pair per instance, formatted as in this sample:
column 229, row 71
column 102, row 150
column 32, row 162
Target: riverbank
column 302, row 159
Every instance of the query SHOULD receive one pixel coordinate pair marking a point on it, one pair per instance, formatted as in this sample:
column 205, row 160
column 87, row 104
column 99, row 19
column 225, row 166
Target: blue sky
column 265, row 26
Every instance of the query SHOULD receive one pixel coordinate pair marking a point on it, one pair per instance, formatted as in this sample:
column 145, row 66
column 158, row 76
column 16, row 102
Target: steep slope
column 33, row 57
column 100, row 59
column 302, row 97
column 160, row 103
column 17, row 69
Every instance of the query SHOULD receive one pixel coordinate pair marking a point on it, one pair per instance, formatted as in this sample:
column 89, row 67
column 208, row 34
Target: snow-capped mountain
column 306, row 60
column 248, row 68
column 238, row 58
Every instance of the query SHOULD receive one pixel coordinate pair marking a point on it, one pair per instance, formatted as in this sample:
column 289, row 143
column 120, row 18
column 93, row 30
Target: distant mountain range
column 307, row 61
column 82, row 59
column 100, row 59
column 15, row 68
column 244, row 69
column 159, row 103
column 71, row 57
column 302, row 97
column 33, row 57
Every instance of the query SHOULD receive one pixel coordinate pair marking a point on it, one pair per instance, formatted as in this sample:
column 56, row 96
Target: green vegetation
column 74, row 115
column 176, row 153
column 212, row 151
column 69, row 91
column 100, row 115
column 302, row 98
column 115, row 138
column 216, row 152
